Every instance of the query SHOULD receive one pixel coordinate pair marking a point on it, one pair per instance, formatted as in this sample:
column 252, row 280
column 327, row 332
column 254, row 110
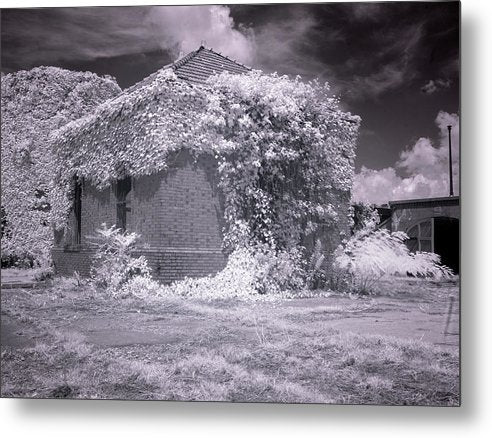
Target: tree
column 34, row 103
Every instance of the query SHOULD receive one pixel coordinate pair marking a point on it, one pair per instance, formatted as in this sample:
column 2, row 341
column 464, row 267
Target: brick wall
column 167, row 264
column 178, row 213
column 98, row 206
column 179, row 208
column 171, row 264
column 67, row 261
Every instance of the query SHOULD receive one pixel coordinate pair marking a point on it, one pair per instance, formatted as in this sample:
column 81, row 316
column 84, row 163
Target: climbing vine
column 284, row 149
column 285, row 154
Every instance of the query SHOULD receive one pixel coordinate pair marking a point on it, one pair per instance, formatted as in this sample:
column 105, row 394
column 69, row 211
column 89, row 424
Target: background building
column 432, row 224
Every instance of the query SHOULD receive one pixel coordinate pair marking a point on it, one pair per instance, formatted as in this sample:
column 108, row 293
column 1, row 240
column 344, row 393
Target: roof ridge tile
column 228, row 59
column 198, row 60
column 185, row 59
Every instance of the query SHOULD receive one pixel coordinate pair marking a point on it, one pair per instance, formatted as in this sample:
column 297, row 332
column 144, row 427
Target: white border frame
column 47, row 418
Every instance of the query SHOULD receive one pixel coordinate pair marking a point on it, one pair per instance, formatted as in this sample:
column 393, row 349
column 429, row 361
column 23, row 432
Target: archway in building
column 440, row 235
column 447, row 241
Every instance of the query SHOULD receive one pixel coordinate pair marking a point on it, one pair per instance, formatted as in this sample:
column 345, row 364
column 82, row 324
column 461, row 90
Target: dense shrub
column 251, row 274
column 362, row 215
column 286, row 154
column 258, row 274
column 315, row 268
column 141, row 286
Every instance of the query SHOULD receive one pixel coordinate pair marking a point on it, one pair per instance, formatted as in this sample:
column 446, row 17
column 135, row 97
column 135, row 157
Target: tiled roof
column 197, row 67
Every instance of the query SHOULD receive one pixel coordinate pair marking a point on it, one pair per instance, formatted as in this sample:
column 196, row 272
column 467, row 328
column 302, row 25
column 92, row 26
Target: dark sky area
column 394, row 64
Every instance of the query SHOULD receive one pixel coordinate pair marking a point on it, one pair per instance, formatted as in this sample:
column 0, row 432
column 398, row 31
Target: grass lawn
column 63, row 342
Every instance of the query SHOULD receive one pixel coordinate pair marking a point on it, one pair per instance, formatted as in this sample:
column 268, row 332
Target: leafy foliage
column 113, row 265
column 373, row 253
column 34, row 103
column 251, row 274
column 285, row 155
column 315, row 271
column 142, row 287
column 364, row 215
column 258, row 273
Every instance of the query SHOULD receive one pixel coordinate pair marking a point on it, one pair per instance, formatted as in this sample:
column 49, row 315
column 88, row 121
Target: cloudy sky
column 394, row 64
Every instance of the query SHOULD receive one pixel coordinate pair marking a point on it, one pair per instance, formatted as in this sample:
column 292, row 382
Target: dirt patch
column 16, row 334
column 399, row 314
column 432, row 316
column 411, row 325
column 147, row 334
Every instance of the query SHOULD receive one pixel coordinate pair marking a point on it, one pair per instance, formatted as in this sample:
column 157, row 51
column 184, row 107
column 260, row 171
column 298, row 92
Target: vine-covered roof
column 161, row 109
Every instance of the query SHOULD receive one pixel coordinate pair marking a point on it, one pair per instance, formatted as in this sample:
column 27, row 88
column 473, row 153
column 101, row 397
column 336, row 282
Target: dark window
column 123, row 187
column 77, row 210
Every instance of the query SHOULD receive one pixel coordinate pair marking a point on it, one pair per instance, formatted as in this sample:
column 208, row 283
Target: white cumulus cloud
column 424, row 168
column 186, row 27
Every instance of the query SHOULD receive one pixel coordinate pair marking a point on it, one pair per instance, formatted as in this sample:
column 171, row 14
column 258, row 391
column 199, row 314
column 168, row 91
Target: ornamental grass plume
column 373, row 253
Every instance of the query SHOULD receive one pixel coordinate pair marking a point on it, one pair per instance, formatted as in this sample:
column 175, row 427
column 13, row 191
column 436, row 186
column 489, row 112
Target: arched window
column 421, row 236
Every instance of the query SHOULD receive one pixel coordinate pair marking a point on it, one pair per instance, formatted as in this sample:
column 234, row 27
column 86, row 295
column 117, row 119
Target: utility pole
column 450, row 164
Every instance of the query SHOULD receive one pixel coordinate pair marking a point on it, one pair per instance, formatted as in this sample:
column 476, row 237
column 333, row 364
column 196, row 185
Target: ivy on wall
column 286, row 156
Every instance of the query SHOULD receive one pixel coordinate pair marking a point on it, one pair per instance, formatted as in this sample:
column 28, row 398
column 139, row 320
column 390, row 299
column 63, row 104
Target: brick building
column 179, row 210
column 432, row 225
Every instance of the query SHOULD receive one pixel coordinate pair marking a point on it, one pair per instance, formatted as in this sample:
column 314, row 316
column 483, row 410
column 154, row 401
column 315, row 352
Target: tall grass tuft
column 371, row 254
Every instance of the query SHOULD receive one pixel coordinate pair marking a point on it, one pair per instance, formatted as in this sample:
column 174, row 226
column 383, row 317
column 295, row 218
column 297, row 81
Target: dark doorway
column 447, row 241
column 123, row 187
